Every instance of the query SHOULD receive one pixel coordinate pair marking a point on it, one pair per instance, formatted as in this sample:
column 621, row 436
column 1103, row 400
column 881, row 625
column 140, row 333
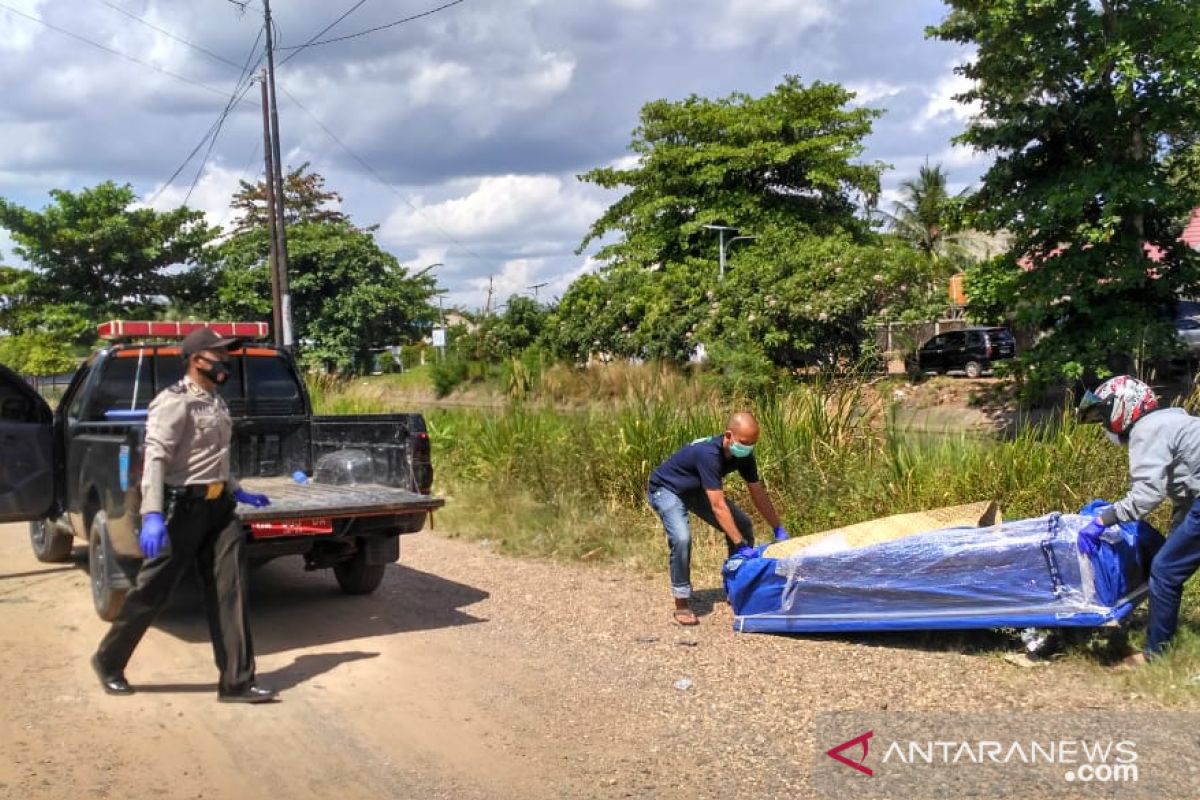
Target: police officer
column 188, row 502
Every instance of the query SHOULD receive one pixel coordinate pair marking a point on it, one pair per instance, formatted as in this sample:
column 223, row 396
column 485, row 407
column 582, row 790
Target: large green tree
column 349, row 296
column 784, row 158
column 96, row 251
column 1083, row 103
column 781, row 170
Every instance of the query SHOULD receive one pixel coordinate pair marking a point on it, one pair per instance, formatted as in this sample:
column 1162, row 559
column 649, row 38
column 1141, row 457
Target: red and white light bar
column 140, row 329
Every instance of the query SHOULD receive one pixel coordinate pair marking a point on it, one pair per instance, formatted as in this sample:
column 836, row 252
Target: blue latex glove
column 1089, row 537
column 251, row 499
column 746, row 551
column 153, row 534
column 780, row 534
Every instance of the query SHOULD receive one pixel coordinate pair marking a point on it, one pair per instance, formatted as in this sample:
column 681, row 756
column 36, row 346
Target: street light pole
column 722, row 244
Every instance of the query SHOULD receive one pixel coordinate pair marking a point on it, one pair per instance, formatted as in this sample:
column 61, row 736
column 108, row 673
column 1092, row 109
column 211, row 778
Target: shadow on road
column 304, row 668
column 292, row 609
column 34, row 573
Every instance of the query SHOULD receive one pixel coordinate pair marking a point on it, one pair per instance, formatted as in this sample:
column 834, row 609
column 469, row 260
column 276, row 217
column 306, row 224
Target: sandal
column 685, row 616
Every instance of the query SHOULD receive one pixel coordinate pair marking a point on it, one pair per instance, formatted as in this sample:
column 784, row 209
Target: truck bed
column 290, row 500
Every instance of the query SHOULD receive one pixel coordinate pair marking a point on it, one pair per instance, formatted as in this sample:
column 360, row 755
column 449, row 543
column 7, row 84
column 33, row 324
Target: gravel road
column 467, row 675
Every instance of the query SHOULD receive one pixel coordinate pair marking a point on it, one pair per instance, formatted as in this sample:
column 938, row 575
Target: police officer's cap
column 203, row 339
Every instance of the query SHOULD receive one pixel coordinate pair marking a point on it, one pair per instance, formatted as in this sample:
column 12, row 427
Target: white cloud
column 16, row 32
column 743, row 23
column 869, row 92
column 942, row 106
column 211, row 195
column 508, row 207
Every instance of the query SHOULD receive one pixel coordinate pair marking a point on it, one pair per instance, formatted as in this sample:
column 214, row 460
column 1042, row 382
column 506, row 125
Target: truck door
column 26, row 451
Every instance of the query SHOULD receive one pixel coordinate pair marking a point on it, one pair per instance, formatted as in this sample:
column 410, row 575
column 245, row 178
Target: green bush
column 447, row 374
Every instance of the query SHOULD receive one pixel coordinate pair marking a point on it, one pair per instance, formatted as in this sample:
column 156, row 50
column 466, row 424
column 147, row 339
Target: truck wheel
column 107, row 599
column 973, row 369
column 50, row 544
column 356, row 576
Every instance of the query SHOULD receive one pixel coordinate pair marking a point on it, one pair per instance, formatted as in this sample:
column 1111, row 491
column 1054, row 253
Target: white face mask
column 1112, row 437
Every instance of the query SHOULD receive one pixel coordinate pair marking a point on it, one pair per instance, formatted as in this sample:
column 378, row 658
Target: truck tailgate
column 290, row 500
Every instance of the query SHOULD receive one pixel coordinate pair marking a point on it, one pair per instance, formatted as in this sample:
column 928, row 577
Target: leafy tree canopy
column 305, row 200
column 349, row 297
column 784, row 158
column 803, row 285
column 1084, row 103
column 95, row 252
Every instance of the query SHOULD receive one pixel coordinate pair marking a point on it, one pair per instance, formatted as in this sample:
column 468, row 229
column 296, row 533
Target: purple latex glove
column 781, row 534
column 1089, row 537
column 251, row 499
column 746, row 551
column 153, row 534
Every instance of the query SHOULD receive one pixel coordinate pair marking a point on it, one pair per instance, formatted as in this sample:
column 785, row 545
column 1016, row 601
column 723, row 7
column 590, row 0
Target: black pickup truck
column 76, row 471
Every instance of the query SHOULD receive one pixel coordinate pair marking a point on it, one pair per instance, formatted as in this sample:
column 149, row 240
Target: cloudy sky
column 459, row 133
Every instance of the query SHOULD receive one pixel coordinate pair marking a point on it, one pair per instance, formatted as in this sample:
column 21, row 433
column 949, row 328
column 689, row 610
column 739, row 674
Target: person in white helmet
column 1164, row 463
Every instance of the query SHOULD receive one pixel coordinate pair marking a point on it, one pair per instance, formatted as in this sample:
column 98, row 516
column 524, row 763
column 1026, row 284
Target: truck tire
column 50, row 544
column 105, row 597
column 356, row 576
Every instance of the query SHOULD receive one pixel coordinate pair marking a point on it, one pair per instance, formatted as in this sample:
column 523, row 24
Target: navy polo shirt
column 701, row 465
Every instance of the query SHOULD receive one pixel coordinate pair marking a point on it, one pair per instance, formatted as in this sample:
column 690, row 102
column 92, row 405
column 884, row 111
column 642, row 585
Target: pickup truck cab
column 75, row 473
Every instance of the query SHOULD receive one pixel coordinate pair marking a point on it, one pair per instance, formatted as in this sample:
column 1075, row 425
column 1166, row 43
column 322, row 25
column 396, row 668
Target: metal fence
column 50, row 387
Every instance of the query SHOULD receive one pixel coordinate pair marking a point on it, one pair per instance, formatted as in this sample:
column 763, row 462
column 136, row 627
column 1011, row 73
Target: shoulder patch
column 177, row 388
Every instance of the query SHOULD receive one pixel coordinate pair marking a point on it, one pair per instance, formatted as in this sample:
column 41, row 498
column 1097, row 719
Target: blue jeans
column 673, row 510
column 1172, row 566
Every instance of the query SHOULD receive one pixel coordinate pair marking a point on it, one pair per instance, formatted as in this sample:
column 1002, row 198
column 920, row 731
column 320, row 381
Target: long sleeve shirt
column 1164, row 464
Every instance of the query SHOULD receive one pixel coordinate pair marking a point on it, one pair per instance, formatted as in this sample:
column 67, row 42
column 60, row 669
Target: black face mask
column 218, row 371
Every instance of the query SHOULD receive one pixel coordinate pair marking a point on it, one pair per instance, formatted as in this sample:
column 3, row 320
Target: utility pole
column 535, row 288
column 272, row 239
column 487, row 307
column 285, row 294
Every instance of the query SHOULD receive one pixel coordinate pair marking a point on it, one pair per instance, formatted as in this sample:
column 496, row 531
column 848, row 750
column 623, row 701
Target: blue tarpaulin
column 1022, row 573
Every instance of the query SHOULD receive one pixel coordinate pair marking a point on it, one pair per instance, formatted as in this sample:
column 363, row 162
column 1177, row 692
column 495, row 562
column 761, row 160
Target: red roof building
column 1191, row 234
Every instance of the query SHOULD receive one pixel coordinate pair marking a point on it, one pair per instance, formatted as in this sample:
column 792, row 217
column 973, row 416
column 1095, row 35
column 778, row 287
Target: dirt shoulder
column 468, row 675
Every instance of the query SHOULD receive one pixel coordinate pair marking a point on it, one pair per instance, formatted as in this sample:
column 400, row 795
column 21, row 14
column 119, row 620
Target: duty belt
column 198, row 491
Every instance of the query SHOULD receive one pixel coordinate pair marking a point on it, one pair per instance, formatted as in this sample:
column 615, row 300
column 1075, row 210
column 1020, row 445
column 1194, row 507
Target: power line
column 370, row 170
column 247, row 70
column 112, row 51
column 212, row 129
column 169, row 35
column 378, row 27
column 300, row 49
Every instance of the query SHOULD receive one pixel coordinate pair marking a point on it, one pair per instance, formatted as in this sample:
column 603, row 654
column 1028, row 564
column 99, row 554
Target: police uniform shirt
column 188, row 431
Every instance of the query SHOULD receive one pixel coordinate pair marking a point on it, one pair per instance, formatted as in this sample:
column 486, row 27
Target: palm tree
column 925, row 217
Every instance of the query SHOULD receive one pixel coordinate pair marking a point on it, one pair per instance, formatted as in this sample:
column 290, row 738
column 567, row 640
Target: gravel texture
column 470, row 675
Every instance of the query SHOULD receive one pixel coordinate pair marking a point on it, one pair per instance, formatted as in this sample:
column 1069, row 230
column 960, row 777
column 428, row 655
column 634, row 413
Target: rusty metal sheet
column 291, row 500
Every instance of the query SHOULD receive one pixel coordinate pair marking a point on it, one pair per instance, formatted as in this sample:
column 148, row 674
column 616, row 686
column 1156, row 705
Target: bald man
column 692, row 480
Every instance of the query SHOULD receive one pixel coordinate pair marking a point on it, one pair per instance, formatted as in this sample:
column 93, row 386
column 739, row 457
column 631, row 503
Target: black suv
column 972, row 350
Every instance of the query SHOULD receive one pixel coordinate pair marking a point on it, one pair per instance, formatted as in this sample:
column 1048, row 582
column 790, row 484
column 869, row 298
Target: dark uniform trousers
column 206, row 532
